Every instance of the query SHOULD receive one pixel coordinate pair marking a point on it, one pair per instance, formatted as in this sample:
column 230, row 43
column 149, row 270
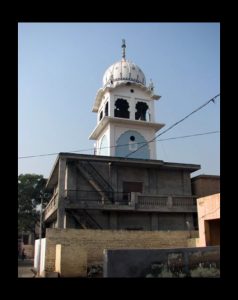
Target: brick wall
column 29, row 250
column 205, row 185
column 95, row 241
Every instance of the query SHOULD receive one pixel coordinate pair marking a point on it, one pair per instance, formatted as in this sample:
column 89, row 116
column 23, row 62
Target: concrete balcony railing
column 166, row 203
column 131, row 201
column 51, row 206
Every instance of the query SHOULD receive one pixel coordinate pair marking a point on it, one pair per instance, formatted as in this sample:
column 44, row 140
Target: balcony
column 82, row 199
column 51, row 206
column 166, row 203
column 130, row 201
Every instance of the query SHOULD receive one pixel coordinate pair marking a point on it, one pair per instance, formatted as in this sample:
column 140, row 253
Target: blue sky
column 60, row 69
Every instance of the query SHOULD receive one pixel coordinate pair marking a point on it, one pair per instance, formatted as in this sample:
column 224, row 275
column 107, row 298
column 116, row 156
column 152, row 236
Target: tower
column 125, row 112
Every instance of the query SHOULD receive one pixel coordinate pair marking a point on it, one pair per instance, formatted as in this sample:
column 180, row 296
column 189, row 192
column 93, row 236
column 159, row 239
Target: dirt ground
column 24, row 268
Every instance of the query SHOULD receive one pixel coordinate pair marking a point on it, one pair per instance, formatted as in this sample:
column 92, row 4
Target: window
column 141, row 108
column 106, row 109
column 121, row 110
column 101, row 115
column 132, row 138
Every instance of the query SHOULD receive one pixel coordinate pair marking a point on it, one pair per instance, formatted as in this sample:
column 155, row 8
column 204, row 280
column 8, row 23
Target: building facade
column 105, row 192
column 122, row 186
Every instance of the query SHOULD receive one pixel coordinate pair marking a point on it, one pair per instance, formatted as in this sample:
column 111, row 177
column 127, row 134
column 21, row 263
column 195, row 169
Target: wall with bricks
column 205, row 185
column 70, row 261
column 29, row 250
column 194, row 242
column 95, row 241
column 160, row 180
column 155, row 180
column 135, row 220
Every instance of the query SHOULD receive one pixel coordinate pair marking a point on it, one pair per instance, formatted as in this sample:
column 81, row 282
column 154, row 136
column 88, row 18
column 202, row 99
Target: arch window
column 121, row 110
column 101, row 115
column 141, row 109
column 106, row 109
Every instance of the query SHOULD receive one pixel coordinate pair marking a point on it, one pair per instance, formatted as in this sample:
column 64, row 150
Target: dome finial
column 151, row 85
column 123, row 49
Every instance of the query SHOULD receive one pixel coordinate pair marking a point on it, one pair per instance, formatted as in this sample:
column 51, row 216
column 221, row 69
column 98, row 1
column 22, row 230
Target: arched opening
column 121, row 110
column 101, row 115
column 141, row 108
column 106, row 109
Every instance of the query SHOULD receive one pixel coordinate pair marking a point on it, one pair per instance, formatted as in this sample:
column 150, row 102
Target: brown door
column 212, row 232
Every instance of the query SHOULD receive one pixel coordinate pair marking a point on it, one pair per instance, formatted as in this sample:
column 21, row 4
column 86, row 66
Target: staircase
column 86, row 221
column 96, row 180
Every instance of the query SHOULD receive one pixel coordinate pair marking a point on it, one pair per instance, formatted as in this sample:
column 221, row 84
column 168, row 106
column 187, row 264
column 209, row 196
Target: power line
column 82, row 150
column 143, row 143
column 173, row 125
column 186, row 136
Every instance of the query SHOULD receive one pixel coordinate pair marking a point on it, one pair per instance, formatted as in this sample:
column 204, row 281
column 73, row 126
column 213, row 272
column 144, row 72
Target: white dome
column 123, row 71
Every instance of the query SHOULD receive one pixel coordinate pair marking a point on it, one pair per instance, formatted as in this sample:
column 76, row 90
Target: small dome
column 123, row 71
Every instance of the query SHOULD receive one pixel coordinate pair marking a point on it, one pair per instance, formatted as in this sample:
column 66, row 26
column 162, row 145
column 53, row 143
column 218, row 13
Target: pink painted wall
column 208, row 209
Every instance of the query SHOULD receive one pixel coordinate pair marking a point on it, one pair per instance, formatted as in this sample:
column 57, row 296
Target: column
column 132, row 108
column 61, row 193
column 113, row 220
column 154, row 222
column 111, row 103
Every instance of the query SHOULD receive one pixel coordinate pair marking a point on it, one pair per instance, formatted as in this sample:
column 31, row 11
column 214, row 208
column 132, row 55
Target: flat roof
column 128, row 160
column 122, row 161
column 205, row 176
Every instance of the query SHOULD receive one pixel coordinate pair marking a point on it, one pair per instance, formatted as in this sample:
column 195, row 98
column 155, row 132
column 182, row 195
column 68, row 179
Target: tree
column 30, row 189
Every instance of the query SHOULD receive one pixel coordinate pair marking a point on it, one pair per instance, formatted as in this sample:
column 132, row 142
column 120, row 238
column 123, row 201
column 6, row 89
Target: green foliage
column 205, row 272
column 30, row 189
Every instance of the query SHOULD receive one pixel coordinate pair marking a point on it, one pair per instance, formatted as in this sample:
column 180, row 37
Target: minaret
column 125, row 112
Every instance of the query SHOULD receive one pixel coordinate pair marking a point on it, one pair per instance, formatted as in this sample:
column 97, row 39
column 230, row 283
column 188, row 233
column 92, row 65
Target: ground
column 24, row 268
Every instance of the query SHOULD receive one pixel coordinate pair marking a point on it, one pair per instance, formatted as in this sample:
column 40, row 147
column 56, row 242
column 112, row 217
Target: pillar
column 61, row 193
column 154, row 221
column 113, row 220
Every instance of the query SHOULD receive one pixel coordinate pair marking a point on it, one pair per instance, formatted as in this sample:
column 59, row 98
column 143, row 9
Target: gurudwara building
column 123, row 185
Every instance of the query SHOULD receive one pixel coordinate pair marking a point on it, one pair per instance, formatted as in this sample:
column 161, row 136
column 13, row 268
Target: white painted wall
column 36, row 255
column 107, row 134
column 113, row 131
